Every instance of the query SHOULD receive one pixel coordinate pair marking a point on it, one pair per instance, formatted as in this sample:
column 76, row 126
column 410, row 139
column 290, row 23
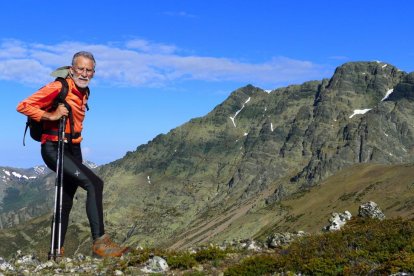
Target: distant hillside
column 261, row 162
column 26, row 193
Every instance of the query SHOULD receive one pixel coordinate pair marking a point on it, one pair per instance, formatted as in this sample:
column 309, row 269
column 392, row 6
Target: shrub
column 258, row 265
column 363, row 246
column 211, row 253
column 184, row 260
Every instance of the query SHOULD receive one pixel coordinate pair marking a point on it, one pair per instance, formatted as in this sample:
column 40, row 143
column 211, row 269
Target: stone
column 370, row 210
column 282, row 239
column 5, row 266
column 337, row 221
column 155, row 265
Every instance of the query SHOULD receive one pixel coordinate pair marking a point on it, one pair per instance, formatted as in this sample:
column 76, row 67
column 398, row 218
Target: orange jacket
column 36, row 105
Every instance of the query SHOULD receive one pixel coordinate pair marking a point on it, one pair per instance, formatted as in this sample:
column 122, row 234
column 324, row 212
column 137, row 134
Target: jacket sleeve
column 36, row 105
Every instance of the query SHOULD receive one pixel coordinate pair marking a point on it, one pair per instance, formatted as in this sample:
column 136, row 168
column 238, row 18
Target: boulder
column 337, row 221
column 370, row 210
column 155, row 265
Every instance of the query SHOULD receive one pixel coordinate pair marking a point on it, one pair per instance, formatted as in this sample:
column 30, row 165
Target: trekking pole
column 56, row 233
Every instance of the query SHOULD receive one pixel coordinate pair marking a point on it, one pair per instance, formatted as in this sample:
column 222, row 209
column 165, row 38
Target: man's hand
column 60, row 111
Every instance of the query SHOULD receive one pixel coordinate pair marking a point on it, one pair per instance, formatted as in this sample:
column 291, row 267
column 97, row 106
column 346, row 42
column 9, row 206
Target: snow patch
column 232, row 119
column 18, row 175
column 387, row 94
column 238, row 111
column 360, row 111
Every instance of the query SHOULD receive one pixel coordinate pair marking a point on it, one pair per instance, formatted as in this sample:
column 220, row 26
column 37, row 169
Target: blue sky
column 161, row 63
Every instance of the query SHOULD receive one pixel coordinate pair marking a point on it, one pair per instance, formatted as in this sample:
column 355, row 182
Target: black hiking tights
column 77, row 174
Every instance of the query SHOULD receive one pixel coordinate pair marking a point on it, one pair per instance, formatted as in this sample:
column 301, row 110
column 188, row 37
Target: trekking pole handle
column 62, row 127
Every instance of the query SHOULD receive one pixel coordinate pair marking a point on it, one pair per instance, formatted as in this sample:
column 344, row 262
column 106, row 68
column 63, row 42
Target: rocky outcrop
column 370, row 210
column 337, row 221
column 282, row 239
column 366, row 210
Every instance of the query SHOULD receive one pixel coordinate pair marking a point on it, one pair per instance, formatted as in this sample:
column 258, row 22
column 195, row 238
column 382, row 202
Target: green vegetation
column 364, row 246
column 185, row 261
column 16, row 198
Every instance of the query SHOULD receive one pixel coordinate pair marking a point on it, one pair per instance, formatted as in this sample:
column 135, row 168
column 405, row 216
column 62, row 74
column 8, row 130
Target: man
column 75, row 174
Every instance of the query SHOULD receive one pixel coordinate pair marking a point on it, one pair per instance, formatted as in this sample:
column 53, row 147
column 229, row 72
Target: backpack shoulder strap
column 88, row 92
column 61, row 98
column 62, row 94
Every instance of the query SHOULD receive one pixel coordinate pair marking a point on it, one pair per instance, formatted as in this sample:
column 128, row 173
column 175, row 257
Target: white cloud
column 140, row 62
column 149, row 47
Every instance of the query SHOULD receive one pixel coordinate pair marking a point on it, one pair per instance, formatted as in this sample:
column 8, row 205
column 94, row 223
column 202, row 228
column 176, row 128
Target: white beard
column 81, row 81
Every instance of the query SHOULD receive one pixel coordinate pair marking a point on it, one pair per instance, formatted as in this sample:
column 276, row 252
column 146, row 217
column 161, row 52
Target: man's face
column 82, row 71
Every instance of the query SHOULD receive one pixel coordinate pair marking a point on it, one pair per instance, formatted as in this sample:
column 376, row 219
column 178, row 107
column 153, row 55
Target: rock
column 370, row 210
column 281, row 239
column 248, row 244
column 48, row 264
column 28, row 260
column 253, row 246
column 338, row 220
column 5, row 266
column 155, row 265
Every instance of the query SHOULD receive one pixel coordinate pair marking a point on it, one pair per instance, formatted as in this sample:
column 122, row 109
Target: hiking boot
column 104, row 247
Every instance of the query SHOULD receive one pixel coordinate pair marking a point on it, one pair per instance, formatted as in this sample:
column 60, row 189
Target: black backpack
column 36, row 128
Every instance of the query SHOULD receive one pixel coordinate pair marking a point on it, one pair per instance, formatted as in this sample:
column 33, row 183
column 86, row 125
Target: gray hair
column 83, row 54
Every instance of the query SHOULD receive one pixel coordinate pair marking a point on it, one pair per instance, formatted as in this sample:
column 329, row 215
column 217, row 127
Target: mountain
column 264, row 161
column 9, row 175
column 26, row 193
column 13, row 179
